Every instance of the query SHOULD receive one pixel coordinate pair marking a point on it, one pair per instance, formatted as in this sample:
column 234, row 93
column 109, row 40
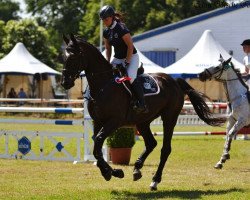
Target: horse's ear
column 66, row 40
column 221, row 58
column 73, row 39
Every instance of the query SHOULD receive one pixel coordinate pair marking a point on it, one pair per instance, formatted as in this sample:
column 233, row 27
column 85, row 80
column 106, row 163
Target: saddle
column 150, row 85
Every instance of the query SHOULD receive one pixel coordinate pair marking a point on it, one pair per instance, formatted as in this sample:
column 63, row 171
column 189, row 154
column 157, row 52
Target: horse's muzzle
column 202, row 77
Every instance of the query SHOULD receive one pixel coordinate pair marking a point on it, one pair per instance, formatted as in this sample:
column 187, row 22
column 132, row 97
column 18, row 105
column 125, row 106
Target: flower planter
column 120, row 156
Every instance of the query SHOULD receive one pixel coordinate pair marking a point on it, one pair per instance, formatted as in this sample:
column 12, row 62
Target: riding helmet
column 106, row 11
column 246, row 42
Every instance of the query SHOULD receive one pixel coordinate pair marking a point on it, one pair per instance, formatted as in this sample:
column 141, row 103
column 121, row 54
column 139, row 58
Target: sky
column 22, row 6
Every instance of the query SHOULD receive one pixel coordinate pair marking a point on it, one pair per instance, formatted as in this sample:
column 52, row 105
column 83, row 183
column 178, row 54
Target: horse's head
column 217, row 72
column 75, row 61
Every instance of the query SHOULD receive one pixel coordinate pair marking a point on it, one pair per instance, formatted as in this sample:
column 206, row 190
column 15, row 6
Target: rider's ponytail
column 120, row 17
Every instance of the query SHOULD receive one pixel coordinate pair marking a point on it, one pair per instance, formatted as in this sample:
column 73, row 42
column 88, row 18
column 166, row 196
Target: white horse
column 238, row 96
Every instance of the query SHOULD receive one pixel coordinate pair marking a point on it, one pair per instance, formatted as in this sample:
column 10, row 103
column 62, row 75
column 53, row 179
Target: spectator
column 12, row 93
column 21, row 95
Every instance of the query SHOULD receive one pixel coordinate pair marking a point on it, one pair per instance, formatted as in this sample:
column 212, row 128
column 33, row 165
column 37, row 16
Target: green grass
column 188, row 174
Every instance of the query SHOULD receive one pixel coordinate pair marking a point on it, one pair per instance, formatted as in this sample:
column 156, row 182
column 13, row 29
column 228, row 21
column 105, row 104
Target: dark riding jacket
column 114, row 35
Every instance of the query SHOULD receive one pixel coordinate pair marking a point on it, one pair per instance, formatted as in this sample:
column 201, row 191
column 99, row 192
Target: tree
column 2, row 35
column 182, row 9
column 81, row 16
column 90, row 23
column 8, row 10
column 34, row 37
column 61, row 16
column 144, row 15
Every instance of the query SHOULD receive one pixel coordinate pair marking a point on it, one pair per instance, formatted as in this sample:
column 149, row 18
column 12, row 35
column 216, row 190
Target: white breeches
column 132, row 68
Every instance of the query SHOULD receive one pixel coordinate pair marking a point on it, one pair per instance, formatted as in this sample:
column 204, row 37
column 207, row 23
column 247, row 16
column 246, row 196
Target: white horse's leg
column 230, row 135
column 230, row 123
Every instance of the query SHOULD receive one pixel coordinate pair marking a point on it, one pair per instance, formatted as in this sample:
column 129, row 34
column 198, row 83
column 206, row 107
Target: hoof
column 107, row 175
column 218, row 166
column 118, row 173
column 137, row 175
column 153, row 186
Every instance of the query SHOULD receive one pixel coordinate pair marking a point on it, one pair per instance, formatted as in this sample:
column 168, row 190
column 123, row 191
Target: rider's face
column 107, row 21
column 246, row 48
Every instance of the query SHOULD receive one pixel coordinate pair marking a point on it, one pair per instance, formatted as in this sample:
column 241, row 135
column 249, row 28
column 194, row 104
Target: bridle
column 78, row 55
column 73, row 74
column 218, row 77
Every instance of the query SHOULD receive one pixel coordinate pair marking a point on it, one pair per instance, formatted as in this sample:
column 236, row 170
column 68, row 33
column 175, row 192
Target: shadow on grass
column 181, row 194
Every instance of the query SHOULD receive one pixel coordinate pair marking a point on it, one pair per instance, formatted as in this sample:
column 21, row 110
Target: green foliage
column 34, row 37
column 122, row 138
column 8, row 10
column 62, row 16
column 2, row 35
column 81, row 16
column 154, row 18
column 141, row 15
column 89, row 25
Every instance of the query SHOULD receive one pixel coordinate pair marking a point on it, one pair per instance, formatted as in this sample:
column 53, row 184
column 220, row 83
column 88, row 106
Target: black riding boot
column 140, row 107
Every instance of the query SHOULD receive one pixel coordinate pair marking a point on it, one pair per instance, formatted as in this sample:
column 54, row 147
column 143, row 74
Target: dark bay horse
column 110, row 106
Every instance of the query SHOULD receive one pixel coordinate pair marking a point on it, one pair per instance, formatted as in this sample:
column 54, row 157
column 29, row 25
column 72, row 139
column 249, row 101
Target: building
column 169, row 43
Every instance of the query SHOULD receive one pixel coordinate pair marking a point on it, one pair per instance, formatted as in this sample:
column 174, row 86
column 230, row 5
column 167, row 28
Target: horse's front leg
column 232, row 129
column 104, row 167
column 150, row 144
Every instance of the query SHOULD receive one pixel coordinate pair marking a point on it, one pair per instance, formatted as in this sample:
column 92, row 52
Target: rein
column 227, row 95
column 239, row 78
column 225, row 80
column 99, row 73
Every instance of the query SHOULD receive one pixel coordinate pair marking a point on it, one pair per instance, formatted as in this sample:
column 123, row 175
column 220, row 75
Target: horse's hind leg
column 150, row 144
column 169, row 123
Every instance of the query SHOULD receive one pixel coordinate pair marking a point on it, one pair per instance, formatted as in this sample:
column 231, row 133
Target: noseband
column 77, row 60
column 218, row 77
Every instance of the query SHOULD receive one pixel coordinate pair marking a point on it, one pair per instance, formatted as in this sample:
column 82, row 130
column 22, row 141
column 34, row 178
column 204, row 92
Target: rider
column 116, row 34
column 246, row 48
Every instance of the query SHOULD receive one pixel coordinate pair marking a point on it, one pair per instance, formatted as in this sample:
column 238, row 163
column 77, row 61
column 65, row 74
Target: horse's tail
column 199, row 104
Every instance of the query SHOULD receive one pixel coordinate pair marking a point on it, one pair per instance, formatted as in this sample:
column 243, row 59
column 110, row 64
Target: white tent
column 17, row 70
column 204, row 54
column 20, row 61
column 148, row 65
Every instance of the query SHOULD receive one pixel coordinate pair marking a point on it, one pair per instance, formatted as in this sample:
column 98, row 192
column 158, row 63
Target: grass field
column 188, row 174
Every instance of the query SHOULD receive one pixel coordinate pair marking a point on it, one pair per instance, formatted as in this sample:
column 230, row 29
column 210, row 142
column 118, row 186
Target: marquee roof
column 20, row 61
column 204, row 54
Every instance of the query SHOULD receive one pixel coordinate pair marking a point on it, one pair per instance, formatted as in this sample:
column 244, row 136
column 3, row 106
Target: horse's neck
column 233, row 85
column 98, row 76
column 98, row 70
